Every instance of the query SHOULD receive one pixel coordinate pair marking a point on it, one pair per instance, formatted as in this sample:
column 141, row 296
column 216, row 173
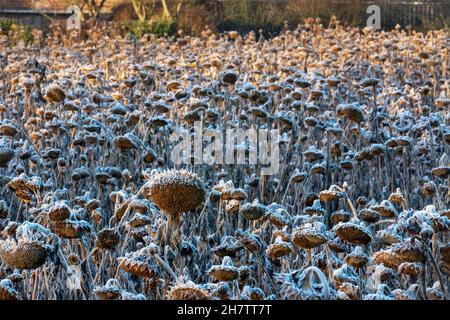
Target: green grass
column 21, row 32
column 158, row 27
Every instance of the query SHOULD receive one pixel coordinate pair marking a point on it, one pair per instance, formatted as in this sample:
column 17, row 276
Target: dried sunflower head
column 253, row 293
column 357, row 258
column 141, row 263
column 277, row 215
column 409, row 250
column 410, row 268
column 187, row 290
column 25, row 187
column 55, row 93
column 131, row 296
column 251, row 241
column 175, row 191
column 139, row 220
column 225, row 271
column 387, row 258
column 350, row 290
column 229, row 246
column 30, row 249
column 353, row 233
column 23, row 255
column 329, row 195
column 315, row 209
column 107, row 238
column 309, row 235
column 340, row 216
column 369, row 215
column 70, row 229
column 7, row 291
column 386, row 209
column 110, row 291
column 57, row 211
column 388, row 236
column 253, row 211
column 278, row 249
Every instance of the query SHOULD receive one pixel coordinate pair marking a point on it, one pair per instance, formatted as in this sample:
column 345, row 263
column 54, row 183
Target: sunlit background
column 268, row 16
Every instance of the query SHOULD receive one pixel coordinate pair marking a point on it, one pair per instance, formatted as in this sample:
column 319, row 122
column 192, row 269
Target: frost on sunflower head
column 30, row 248
column 175, row 191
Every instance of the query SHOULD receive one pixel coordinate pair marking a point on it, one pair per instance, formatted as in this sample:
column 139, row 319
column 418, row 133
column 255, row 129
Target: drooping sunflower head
column 175, row 191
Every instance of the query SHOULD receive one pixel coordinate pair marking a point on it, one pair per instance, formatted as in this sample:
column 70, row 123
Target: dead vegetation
column 92, row 206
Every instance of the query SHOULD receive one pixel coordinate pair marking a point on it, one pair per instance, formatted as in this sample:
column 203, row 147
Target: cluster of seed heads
column 92, row 205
